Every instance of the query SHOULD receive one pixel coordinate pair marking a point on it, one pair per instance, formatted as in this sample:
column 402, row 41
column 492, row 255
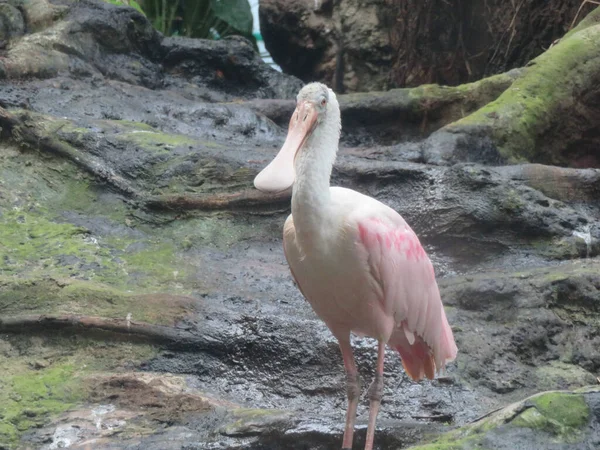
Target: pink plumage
column 356, row 261
column 409, row 293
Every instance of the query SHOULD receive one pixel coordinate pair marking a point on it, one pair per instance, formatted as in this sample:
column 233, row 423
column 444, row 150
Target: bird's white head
column 316, row 119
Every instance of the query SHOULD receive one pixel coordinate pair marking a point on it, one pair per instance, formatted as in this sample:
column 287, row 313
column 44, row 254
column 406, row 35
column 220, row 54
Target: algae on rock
column 549, row 110
column 548, row 418
column 128, row 214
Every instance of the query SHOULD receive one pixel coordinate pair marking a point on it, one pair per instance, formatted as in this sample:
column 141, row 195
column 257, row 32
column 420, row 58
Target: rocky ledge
column 145, row 301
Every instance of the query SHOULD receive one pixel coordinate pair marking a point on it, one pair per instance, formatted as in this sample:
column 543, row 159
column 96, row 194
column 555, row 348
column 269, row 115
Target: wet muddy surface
column 90, row 154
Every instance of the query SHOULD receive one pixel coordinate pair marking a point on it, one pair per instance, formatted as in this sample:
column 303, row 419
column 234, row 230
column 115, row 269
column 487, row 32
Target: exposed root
column 375, row 108
column 24, row 131
column 245, row 199
column 559, row 183
column 170, row 337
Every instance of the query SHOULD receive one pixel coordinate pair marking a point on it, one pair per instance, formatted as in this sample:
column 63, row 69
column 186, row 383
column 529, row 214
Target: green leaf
column 235, row 13
column 131, row 3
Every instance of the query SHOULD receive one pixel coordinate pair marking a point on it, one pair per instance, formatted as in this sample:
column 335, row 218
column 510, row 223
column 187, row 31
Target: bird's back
column 369, row 274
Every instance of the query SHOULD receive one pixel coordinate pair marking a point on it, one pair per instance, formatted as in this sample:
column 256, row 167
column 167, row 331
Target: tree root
column 550, row 113
column 23, row 128
column 240, row 200
column 443, row 104
column 170, row 337
column 24, row 131
column 559, row 183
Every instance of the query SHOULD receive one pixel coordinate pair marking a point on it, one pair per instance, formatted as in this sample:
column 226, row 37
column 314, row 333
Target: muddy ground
column 144, row 296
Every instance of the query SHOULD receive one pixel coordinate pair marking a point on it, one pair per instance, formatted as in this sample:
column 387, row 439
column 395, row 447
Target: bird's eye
column 323, row 102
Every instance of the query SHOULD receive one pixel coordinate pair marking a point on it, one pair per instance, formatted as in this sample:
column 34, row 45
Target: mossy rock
column 557, row 418
column 43, row 377
column 65, row 296
column 560, row 414
column 533, row 119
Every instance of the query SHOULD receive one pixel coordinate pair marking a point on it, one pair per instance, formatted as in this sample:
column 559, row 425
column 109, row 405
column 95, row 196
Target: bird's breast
column 335, row 280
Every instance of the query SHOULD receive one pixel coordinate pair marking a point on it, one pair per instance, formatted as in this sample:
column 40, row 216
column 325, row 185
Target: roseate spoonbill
column 357, row 262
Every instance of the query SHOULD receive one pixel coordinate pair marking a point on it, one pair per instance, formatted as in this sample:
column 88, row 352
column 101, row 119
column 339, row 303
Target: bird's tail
column 420, row 359
column 417, row 359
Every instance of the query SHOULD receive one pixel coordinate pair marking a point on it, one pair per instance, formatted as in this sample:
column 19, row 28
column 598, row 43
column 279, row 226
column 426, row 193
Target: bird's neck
column 311, row 198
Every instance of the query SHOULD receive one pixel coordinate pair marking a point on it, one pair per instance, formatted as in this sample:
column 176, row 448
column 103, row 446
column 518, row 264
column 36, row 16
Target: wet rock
column 145, row 301
column 96, row 40
column 231, row 66
column 472, row 145
column 534, row 332
column 11, row 23
column 399, row 115
column 556, row 420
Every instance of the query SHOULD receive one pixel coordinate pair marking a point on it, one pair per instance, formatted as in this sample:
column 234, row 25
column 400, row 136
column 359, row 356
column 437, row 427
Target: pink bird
column 357, row 262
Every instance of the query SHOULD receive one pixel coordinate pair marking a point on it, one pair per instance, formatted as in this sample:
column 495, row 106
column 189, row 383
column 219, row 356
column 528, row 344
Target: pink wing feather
column 409, row 293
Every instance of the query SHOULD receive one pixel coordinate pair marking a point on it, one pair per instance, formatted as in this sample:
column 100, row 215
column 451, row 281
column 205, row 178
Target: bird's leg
column 352, row 389
column 375, row 393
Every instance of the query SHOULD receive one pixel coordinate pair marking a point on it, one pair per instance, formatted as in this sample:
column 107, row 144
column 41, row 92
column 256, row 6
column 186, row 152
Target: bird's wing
column 289, row 235
column 402, row 270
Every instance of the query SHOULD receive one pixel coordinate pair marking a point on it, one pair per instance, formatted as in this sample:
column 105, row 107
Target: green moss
column 493, row 85
column 81, row 196
column 478, row 90
column 8, row 433
column 524, row 111
column 156, row 141
column 561, row 414
column 131, row 125
column 464, row 438
column 158, row 261
column 568, row 410
column 43, row 377
column 131, row 3
column 34, row 245
column 433, row 92
column 512, row 202
column 77, row 195
column 68, row 127
column 48, row 296
column 564, row 375
column 560, row 247
column 140, row 134
column 467, row 96
column 37, row 243
column 467, row 437
column 27, row 399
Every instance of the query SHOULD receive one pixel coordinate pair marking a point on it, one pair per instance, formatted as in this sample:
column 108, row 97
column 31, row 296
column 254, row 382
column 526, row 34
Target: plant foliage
column 200, row 18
